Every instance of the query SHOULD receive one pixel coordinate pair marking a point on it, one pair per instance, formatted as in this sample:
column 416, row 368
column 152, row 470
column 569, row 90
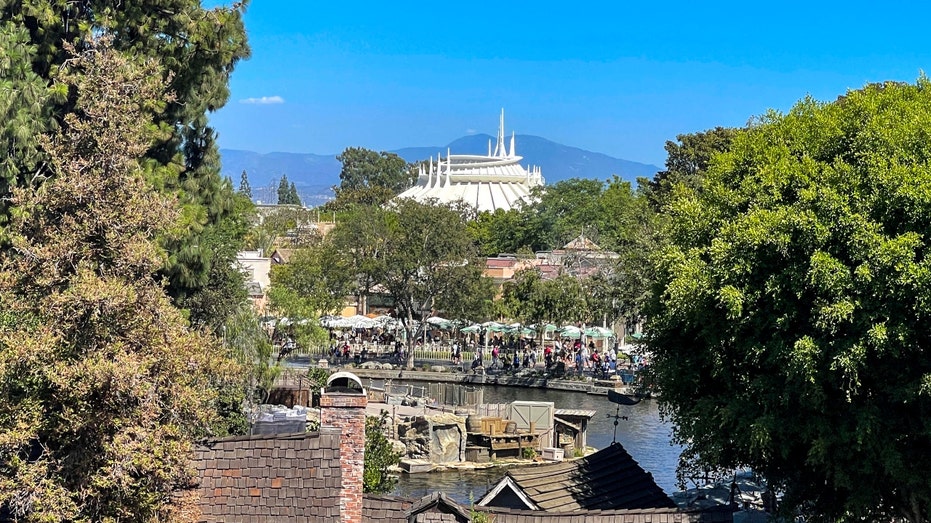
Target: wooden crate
column 492, row 425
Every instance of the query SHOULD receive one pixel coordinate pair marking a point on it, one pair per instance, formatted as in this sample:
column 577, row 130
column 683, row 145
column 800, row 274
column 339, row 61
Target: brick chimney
column 342, row 405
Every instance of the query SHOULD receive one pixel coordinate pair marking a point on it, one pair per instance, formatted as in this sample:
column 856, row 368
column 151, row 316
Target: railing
column 437, row 353
column 492, row 410
column 455, row 394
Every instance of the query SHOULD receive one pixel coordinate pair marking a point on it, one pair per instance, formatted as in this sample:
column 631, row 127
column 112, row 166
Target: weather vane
column 619, row 399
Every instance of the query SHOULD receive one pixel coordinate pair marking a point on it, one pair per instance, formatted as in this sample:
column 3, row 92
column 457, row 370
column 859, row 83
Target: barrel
column 511, row 427
column 473, row 423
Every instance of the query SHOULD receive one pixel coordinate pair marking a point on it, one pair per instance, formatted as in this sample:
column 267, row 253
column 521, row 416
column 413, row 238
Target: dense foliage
column 789, row 333
column 369, row 178
column 379, row 457
column 103, row 388
column 197, row 49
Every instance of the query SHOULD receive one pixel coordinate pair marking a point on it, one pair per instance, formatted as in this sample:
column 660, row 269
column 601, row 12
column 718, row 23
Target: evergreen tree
column 293, row 197
column 284, row 191
column 244, row 188
column 197, row 49
column 103, row 388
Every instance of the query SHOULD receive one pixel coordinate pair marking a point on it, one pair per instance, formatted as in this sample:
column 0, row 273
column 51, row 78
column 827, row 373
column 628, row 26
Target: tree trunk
column 410, row 340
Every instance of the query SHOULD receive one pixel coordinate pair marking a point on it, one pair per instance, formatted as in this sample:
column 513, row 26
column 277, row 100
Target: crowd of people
column 499, row 353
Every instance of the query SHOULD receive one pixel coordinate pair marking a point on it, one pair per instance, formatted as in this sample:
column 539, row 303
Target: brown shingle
column 243, row 481
column 608, row 479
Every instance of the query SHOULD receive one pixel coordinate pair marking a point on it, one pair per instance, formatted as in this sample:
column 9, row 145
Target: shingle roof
column 651, row 515
column 609, row 479
column 282, row 478
column 385, row 509
column 435, row 508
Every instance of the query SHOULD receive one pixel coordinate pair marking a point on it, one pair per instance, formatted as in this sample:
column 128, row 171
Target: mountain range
column 314, row 175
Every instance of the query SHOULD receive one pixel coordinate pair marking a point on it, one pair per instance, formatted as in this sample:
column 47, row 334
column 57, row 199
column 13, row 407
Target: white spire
column 511, row 153
column 489, row 147
column 499, row 150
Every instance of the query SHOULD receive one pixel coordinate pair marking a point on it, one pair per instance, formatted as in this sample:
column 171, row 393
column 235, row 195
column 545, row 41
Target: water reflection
column 643, row 435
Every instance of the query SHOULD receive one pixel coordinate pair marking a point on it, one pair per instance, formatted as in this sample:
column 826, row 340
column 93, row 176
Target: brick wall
column 346, row 411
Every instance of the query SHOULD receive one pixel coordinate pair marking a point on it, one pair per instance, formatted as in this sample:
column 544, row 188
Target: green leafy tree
column 249, row 344
column 198, row 49
column 428, row 254
column 789, row 334
column 379, row 457
column 688, row 160
column 103, row 387
column 369, row 178
column 360, row 241
column 313, row 282
column 565, row 210
column 531, row 299
column 363, row 168
column 506, row 231
column 244, row 188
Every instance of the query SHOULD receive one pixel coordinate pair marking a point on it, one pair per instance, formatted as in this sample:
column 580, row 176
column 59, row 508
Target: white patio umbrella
column 329, row 321
column 367, row 323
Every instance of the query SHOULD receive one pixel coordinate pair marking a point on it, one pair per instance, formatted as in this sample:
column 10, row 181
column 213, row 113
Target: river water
column 645, row 437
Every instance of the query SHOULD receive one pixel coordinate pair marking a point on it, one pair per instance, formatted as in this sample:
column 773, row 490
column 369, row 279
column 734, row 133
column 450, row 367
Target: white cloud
column 471, row 131
column 265, row 100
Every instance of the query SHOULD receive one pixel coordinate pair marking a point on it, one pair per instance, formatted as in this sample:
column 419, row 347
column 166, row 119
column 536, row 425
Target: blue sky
column 616, row 77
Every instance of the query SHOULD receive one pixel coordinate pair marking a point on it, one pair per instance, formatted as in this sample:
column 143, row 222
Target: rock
column 398, row 446
column 438, row 368
column 439, row 439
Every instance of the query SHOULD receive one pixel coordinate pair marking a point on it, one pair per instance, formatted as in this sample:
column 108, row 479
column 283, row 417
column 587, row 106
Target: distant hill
column 314, row 175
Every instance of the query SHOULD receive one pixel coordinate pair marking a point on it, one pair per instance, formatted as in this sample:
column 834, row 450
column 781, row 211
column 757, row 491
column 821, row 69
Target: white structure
column 255, row 266
column 487, row 183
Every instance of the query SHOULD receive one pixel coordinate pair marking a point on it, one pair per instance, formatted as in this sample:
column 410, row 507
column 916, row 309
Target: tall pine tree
column 103, row 387
column 244, row 188
column 293, row 197
column 284, row 191
column 198, row 49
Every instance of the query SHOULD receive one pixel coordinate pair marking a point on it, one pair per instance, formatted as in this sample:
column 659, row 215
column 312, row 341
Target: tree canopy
column 197, row 49
column 103, row 387
column 688, row 160
column 364, row 168
column 789, row 330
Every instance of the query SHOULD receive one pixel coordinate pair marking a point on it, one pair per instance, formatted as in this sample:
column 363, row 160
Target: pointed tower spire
column 511, row 153
column 499, row 151
column 489, row 147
